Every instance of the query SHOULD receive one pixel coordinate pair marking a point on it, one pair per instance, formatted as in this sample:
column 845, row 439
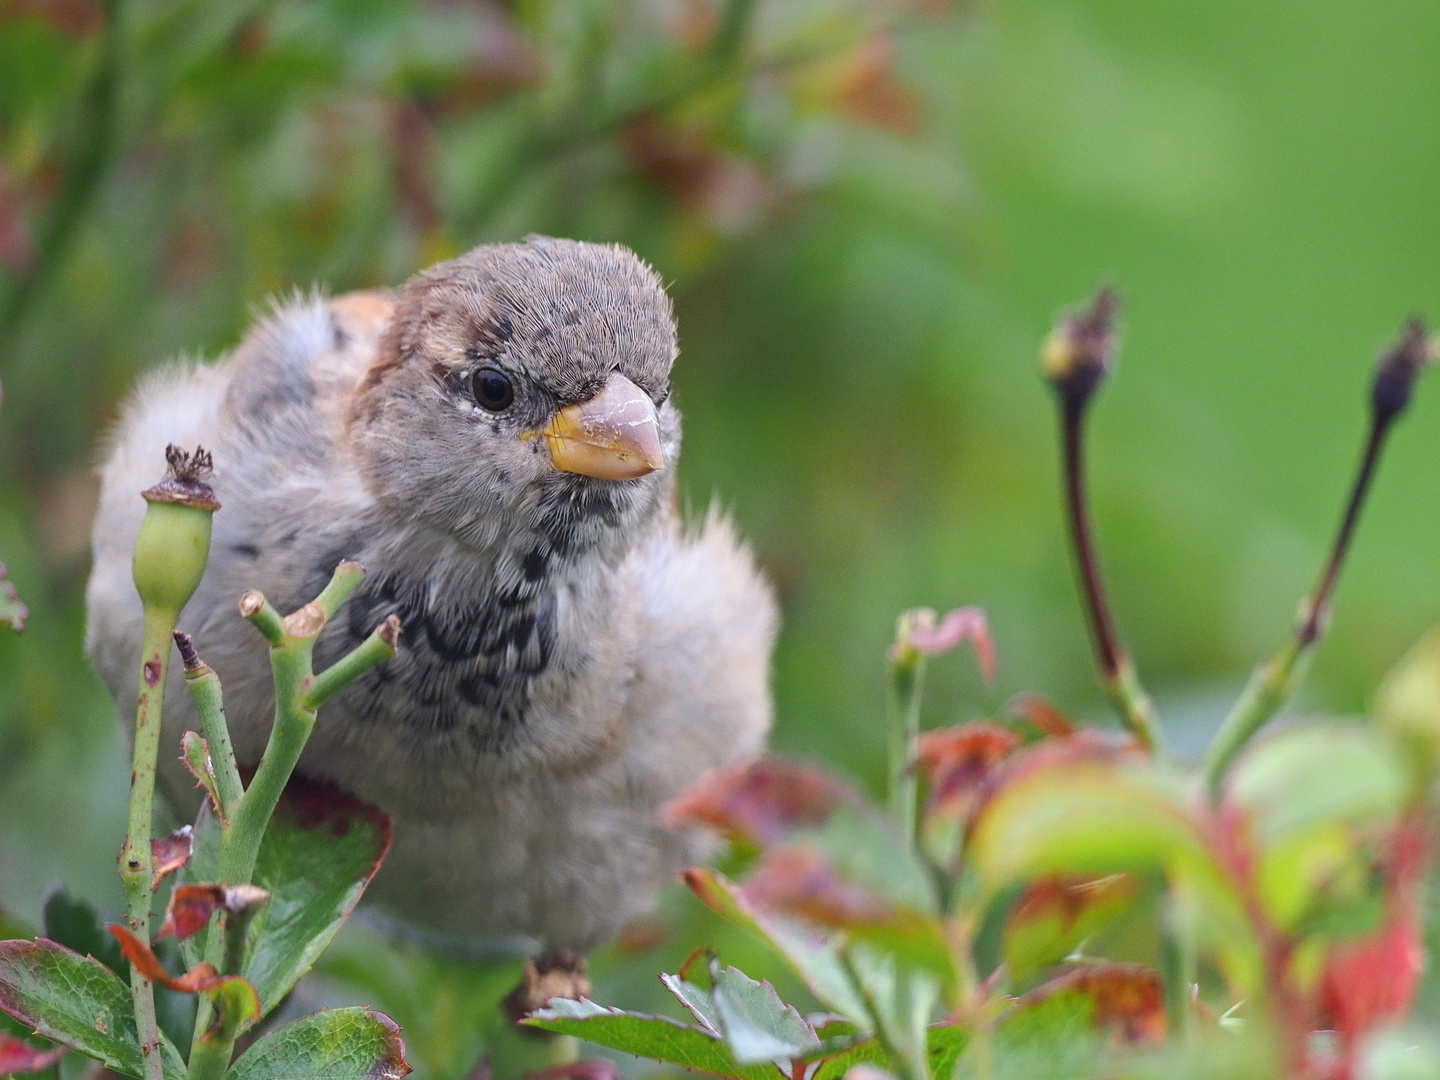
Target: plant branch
column 298, row 694
column 374, row 650
column 1076, row 358
column 205, row 692
column 135, row 856
column 1273, row 682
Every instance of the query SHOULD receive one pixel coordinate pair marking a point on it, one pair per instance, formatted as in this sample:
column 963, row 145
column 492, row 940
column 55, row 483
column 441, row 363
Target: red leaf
column 759, row 800
column 1128, row 999
column 1067, row 898
column 19, row 1057
column 956, row 763
column 170, row 853
column 1373, row 980
column 800, row 881
column 202, row 976
column 1041, row 714
column 190, row 909
column 191, row 906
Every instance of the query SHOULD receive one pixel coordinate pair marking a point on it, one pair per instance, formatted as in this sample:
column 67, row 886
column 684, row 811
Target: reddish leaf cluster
column 170, row 853
column 957, row 761
column 758, row 801
column 800, row 881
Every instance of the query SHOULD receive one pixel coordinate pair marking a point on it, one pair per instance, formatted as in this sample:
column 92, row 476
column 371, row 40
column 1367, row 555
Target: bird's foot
column 559, row 975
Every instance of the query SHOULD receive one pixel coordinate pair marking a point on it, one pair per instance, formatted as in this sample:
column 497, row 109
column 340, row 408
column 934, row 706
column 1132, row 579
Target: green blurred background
column 869, row 213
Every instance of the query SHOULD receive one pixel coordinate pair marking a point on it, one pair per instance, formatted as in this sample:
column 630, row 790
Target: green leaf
column 195, row 754
column 320, row 851
column 813, row 956
column 339, row 1044
column 1318, row 774
column 75, row 924
column 863, row 847
column 1093, row 818
column 78, row 1001
column 656, row 1037
column 1056, row 914
column 945, row 1043
column 695, row 1000
column 1408, row 708
column 755, row 1024
column 904, row 997
column 1314, row 795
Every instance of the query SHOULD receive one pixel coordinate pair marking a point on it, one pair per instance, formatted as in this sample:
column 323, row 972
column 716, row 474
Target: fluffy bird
column 496, row 443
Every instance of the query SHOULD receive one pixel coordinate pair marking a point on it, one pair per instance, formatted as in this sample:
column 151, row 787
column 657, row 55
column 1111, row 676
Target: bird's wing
column 701, row 694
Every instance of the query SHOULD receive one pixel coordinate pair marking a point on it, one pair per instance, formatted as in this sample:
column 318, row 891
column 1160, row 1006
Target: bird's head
column 524, row 387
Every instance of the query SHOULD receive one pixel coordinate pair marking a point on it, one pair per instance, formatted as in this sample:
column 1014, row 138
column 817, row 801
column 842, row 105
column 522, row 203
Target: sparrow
column 496, row 443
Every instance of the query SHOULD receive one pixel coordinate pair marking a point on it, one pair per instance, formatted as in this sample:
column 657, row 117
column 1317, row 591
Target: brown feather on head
column 487, row 352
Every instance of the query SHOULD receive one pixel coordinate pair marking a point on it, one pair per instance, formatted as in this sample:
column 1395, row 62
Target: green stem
column 210, row 1053
column 298, row 694
column 1132, row 702
column 908, row 1069
column 205, row 692
column 374, row 650
column 1270, row 686
column 907, row 677
column 135, row 857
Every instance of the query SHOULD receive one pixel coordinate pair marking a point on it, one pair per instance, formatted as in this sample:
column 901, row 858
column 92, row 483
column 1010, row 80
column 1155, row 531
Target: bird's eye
column 492, row 389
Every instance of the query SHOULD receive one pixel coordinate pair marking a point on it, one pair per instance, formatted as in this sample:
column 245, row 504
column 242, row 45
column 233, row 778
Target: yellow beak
column 614, row 436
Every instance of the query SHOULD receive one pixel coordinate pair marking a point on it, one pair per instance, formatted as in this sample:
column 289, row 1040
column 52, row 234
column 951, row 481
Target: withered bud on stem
column 188, row 656
column 1076, row 355
column 186, row 480
column 1390, row 393
column 1075, row 358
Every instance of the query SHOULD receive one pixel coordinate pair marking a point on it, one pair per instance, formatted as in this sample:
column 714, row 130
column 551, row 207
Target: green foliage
column 343, row 1044
column 319, row 852
column 78, row 1001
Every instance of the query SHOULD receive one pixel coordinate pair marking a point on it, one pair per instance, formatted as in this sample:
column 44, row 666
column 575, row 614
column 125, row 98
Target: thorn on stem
column 188, row 656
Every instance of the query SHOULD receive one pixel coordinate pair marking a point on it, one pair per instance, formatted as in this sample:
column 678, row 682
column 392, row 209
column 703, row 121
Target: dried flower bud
column 1395, row 373
column 1076, row 355
column 173, row 544
column 185, row 480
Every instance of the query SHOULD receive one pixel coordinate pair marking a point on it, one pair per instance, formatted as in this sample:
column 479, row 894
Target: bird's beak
column 614, row 436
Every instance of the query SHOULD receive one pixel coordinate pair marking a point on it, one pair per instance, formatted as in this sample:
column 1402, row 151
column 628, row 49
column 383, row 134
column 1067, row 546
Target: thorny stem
column 1272, row 683
column 292, row 645
column 205, row 692
column 135, row 857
